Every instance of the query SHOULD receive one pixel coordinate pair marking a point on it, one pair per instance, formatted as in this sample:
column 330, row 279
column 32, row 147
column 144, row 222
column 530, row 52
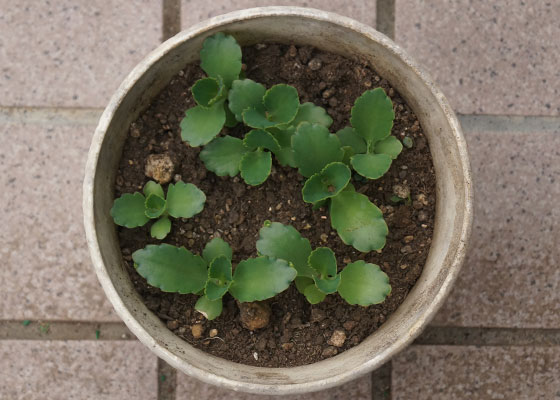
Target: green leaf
column 364, row 284
column 313, row 294
column 245, row 94
column 160, row 228
column 285, row 242
column 371, row 166
column 207, row 91
column 327, row 183
column 302, row 282
column 211, row 309
column 348, row 154
column 261, row 278
column 285, row 155
column 358, row 221
column 314, row 148
column 256, row 119
column 349, row 137
column 309, row 112
column 152, row 187
column 372, row 115
column 217, row 247
column 221, row 57
column 219, row 278
column 223, row 155
column 390, row 146
column 202, row 124
column 260, row 138
column 231, row 121
column 255, row 167
column 170, row 268
column 281, row 103
column 129, row 210
column 323, row 261
column 155, row 206
column 184, row 200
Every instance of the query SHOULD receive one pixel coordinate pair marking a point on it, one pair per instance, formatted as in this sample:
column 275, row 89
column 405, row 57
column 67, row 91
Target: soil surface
column 298, row 333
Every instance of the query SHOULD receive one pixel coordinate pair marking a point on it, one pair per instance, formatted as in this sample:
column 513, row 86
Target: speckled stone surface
column 196, row 11
column 77, row 370
column 482, row 373
column 511, row 276
column 489, row 57
column 46, row 270
column 191, row 389
column 72, row 53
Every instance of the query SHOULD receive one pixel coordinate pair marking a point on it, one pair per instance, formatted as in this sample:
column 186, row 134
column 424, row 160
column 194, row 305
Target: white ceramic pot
column 329, row 32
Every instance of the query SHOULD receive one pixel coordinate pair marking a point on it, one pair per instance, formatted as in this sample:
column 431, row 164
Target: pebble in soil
column 297, row 333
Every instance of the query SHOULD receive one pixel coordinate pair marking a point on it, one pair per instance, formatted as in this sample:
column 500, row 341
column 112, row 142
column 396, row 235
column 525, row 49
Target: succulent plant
column 132, row 210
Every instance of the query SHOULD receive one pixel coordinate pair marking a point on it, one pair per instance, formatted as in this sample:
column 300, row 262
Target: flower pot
column 329, row 32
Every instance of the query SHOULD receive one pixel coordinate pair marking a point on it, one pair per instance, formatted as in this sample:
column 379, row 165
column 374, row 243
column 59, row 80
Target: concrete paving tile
column 192, row 389
column 46, row 270
column 196, row 11
column 72, row 53
column 511, row 276
column 482, row 373
column 489, row 57
column 77, row 370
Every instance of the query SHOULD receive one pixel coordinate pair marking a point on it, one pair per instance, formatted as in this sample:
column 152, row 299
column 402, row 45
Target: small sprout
column 327, row 183
column 26, row 322
column 286, row 243
column 358, row 221
column 408, row 142
column 280, row 106
column 396, row 199
column 314, row 148
column 97, row 334
column 208, row 91
column 323, row 261
column 162, row 378
column 167, row 268
column 219, row 278
column 44, row 328
column 183, row 201
column 363, row 284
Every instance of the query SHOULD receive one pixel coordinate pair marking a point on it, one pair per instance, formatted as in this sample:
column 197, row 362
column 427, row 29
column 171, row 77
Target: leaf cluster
column 132, row 210
column 317, row 271
column 176, row 269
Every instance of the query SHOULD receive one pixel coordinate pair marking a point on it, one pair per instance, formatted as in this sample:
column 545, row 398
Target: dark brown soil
column 298, row 332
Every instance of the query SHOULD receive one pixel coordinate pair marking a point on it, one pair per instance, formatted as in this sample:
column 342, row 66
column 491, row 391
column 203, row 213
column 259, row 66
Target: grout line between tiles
column 171, row 24
column 466, row 336
column 167, row 381
column 385, row 17
column 381, row 382
column 90, row 116
column 63, row 330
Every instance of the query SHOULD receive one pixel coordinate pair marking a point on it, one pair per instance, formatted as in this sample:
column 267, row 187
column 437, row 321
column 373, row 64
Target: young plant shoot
column 132, row 210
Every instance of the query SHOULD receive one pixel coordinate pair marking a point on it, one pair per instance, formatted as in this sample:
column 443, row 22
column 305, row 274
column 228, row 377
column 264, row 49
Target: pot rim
column 153, row 343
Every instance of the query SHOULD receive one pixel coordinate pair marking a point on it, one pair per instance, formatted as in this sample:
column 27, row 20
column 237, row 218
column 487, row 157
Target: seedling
column 132, row 210
column 358, row 283
column 176, row 269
